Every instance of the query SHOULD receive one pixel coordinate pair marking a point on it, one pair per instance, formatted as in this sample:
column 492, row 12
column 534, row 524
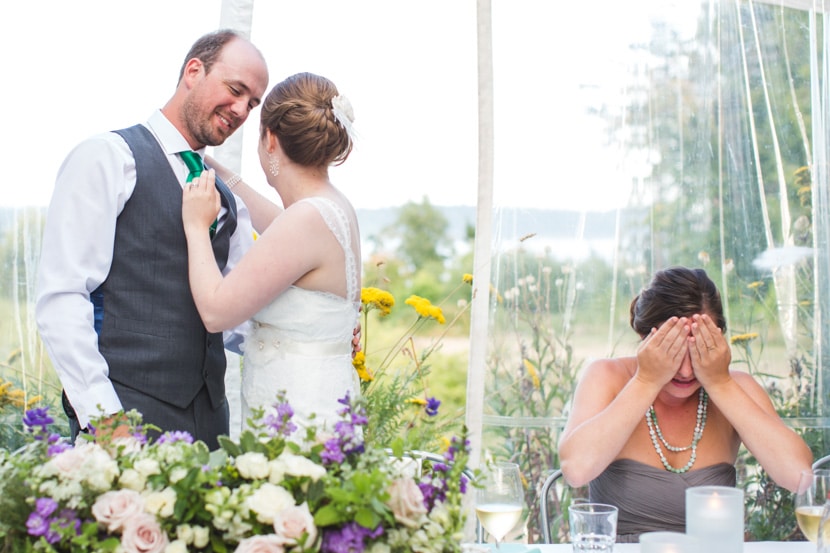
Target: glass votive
column 715, row 518
column 667, row 542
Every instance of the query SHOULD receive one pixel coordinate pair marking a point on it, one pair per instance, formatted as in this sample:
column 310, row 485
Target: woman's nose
column 686, row 370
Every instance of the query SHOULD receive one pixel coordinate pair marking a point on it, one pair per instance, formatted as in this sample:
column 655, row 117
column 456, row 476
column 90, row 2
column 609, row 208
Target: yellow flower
column 755, row 285
column 425, row 308
column 534, row 374
column 17, row 397
column 359, row 364
column 743, row 338
column 375, row 298
column 468, row 278
column 417, row 401
column 33, row 401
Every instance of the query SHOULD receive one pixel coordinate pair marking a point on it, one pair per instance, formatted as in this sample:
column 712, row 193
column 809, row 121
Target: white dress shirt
column 92, row 187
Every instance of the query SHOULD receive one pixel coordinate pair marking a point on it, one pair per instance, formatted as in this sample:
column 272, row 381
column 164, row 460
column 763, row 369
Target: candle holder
column 715, row 518
column 667, row 542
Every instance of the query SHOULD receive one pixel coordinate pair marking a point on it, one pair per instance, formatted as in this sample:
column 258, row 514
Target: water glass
column 593, row 527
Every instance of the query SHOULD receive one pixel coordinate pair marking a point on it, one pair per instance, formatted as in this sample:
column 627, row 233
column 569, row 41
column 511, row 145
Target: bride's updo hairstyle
column 676, row 292
column 300, row 113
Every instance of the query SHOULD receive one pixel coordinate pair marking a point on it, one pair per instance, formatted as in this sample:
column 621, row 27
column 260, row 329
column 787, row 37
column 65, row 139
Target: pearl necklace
column 655, row 433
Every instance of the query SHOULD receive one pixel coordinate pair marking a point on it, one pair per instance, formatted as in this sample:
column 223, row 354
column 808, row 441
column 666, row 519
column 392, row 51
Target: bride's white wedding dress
column 302, row 341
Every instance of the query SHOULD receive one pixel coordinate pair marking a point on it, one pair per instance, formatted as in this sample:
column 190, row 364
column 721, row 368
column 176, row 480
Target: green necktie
column 194, row 163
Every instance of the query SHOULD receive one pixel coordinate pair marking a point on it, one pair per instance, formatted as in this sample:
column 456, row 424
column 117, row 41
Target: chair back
column 554, row 497
column 821, row 463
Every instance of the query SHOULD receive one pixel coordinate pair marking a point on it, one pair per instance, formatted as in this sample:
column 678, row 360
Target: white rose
column 252, row 465
column 68, row 462
column 268, row 501
column 143, row 534
column 297, row 465
column 99, row 469
column 201, row 537
column 147, row 467
column 380, row 547
column 160, row 503
column 115, row 507
column 184, row 532
column 291, row 523
column 131, row 479
column 260, row 544
column 177, row 474
column 176, row 546
column 406, row 502
column 125, row 445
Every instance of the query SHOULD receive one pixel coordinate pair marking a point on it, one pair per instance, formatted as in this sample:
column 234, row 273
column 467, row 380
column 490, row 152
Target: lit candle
column 715, row 517
column 667, row 542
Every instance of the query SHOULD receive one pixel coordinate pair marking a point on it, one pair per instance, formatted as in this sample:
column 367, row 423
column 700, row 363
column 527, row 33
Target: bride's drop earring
column 273, row 165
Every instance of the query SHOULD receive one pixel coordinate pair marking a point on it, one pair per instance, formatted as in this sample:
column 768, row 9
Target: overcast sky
column 76, row 68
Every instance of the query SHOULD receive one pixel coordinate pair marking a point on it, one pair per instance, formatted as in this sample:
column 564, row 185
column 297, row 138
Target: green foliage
column 401, row 392
column 422, row 231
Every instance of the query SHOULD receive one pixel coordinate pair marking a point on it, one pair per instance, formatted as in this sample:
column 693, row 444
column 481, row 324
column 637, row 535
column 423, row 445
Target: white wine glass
column 500, row 499
column 813, row 487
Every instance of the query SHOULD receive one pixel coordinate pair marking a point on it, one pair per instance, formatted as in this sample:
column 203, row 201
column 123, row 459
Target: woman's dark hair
column 676, row 292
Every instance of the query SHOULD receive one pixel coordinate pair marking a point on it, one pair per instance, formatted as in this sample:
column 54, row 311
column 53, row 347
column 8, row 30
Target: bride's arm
column 263, row 211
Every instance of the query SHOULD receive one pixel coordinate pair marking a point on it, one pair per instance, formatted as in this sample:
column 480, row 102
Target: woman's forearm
column 263, row 211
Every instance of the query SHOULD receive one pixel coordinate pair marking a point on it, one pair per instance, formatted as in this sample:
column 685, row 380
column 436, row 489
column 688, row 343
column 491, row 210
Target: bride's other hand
column 200, row 203
column 710, row 352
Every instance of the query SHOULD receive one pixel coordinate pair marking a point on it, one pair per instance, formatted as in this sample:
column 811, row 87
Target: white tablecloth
column 749, row 547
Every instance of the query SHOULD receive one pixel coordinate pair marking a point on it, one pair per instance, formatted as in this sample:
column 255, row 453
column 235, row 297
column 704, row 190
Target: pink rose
column 116, row 507
column 260, row 544
column 406, row 501
column 142, row 534
column 291, row 523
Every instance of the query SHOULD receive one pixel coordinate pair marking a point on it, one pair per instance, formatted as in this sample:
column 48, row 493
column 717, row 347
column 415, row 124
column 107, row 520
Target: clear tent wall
column 697, row 137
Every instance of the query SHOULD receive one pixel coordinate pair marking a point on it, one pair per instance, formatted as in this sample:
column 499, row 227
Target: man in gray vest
column 114, row 307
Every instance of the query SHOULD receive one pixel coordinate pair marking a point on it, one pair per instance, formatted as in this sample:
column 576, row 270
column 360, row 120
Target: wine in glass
column 500, row 499
column 813, row 487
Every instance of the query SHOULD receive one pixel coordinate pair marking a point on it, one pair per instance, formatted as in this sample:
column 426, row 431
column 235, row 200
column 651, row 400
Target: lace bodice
column 301, row 341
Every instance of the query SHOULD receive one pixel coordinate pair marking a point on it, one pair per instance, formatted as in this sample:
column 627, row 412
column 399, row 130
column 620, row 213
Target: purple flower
column 280, row 421
column 348, row 436
column 37, row 524
column 175, row 436
column 350, row 538
column 39, row 521
column 45, row 506
column 432, row 406
column 57, row 447
column 332, row 454
column 37, row 418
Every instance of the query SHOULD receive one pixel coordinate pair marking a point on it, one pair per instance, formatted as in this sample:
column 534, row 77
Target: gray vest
column 151, row 335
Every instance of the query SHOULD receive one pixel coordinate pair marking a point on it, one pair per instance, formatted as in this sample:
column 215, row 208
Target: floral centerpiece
column 278, row 488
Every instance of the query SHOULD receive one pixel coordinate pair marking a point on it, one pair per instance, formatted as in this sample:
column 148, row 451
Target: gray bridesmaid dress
column 651, row 499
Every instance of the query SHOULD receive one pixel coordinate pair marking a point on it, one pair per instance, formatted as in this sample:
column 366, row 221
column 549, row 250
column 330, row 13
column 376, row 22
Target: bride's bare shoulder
column 616, row 368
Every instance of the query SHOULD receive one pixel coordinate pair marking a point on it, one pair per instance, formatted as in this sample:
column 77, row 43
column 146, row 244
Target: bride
column 299, row 284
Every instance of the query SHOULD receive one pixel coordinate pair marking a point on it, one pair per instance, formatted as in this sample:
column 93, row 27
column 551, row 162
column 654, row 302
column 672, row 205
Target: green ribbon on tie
column 195, row 165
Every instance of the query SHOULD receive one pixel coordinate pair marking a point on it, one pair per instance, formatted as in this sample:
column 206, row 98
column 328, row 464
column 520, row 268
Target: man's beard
column 200, row 126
